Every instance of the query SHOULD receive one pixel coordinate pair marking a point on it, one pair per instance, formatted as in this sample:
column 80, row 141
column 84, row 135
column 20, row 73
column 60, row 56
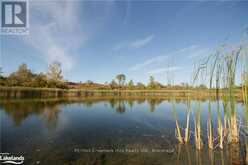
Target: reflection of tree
column 153, row 103
column 112, row 103
column 130, row 103
column 50, row 115
column 118, row 104
column 140, row 101
column 88, row 103
column 20, row 110
column 121, row 108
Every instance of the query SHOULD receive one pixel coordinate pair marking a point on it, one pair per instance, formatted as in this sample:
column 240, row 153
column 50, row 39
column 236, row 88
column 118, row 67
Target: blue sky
column 97, row 40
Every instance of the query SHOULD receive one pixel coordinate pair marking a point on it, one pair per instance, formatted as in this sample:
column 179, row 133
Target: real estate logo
column 7, row 158
column 14, row 16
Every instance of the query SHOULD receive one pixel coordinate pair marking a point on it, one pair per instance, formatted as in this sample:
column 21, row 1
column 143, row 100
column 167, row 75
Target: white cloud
column 192, row 51
column 199, row 53
column 141, row 42
column 148, row 62
column 163, row 70
column 138, row 43
column 55, row 31
column 189, row 49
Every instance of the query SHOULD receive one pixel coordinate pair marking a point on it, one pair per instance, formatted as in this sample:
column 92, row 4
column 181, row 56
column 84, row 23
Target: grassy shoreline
column 29, row 92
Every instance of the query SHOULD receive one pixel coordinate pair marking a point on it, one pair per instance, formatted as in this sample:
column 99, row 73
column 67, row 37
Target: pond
column 110, row 131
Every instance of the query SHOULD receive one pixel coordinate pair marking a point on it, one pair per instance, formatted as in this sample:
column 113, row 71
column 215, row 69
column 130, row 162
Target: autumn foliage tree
column 22, row 77
column 54, row 75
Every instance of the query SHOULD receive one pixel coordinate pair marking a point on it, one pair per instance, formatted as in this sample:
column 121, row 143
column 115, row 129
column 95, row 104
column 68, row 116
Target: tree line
column 53, row 78
column 23, row 76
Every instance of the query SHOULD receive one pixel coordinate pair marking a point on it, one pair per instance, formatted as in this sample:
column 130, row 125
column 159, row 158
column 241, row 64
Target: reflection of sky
column 75, row 121
column 97, row 40
column 55, row 130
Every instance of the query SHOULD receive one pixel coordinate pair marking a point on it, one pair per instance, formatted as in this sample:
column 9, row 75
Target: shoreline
column 29, row 92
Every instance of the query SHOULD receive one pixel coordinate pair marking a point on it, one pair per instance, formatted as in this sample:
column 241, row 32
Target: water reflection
column 58, row 126
column 153, row 103
column 187, row 155
column 20, row 109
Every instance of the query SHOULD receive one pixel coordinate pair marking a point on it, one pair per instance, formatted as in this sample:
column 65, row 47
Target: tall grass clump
column 245, row 97
column 197, row 121
column 210, row 128
column 178, row 133
column 244, row 77
column 221, row 70
column 220, row 129
column 246, row 131
column 187, row 129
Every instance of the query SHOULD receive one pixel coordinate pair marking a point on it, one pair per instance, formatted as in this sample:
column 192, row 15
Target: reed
column 222, row 157
column 179, row 153
column 233, row 133
column 244, row 76
column 220, row 127
column 178, row 130
column 198, row 157
column 188, row 151
column 187, row 129
column 246, row 123
column 246, row 150
column 246, row 131
column 198, row 140
column 210, row 128
column 245, row 89
column 211, row 157
column 221, row 70
column 224, row 101
column 178, row 133
column 245, row 98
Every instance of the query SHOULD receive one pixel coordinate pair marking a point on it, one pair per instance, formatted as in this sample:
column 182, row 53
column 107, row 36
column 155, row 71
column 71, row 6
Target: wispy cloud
column 148, row 62
column 199, row 53
column 52, row 27
column 138, row 43
column 141, row 42
column 163, row 70
column 187, row 52
column 189, row 49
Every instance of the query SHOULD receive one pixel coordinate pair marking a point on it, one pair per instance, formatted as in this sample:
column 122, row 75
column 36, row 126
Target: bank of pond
column 26, row 92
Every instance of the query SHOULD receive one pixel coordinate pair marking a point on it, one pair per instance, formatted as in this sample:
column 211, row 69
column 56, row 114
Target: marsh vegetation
column 221, row 70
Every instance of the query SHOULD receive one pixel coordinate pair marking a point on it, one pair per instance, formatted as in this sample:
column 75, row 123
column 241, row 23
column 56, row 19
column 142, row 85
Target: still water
column 108, row 131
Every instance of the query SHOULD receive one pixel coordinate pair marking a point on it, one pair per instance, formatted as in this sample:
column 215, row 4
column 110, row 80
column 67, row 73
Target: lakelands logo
column 14, row 16
column 7, row 158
